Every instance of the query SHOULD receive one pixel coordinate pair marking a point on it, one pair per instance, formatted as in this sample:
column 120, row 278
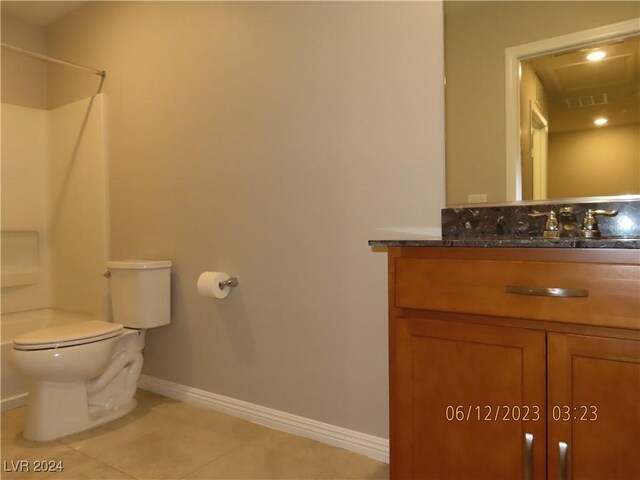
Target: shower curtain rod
column 39, row 56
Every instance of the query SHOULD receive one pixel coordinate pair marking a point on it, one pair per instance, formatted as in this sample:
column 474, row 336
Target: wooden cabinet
column 487, row 385
column 459, row 376
column 594, row 407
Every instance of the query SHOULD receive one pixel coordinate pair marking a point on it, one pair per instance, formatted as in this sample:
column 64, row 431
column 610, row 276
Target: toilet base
column 55, row 410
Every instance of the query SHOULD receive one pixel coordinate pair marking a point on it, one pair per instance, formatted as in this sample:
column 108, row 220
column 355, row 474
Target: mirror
column 496, row 51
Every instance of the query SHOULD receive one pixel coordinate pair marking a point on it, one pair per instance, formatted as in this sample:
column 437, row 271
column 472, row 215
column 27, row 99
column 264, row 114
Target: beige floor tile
column 171, row 452
column 218, row 422
column 19, row 414
column 363, row 468
column 16, row 449
column 147, row 400
column 252, row 463
column 329, row 458
column 10, row 433
column 163, row 438
column 112, row 435
column 91, row 469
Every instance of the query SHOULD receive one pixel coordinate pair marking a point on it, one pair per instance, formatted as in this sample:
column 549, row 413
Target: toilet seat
column 67, row 335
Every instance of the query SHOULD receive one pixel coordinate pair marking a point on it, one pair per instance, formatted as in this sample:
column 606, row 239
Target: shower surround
column 54, row 218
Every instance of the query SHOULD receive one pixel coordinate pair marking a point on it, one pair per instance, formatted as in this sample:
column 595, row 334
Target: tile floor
column 165, row 439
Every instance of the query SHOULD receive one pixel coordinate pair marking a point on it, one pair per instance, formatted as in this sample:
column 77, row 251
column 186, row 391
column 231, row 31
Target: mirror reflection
column 558, row 151
column 580, row 122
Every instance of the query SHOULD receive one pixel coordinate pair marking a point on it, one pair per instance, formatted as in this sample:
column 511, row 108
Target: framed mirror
column 521, row 98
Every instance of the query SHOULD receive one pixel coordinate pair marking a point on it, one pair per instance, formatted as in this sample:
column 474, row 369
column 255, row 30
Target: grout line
column 214, row 460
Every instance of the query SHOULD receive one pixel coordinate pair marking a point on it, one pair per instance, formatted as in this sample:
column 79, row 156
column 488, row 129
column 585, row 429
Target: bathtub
column 12, row 387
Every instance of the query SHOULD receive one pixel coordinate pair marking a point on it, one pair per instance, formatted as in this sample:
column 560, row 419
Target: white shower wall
column 25, row 134
column 78, row 206
column 54, row 183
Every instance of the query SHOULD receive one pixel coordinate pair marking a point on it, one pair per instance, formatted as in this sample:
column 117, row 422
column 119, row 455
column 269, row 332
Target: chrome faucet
column 566, row 223
column 550, row 226
column 590, row 224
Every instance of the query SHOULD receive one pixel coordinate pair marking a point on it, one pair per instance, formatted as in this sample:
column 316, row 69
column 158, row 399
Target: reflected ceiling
column 580, row 90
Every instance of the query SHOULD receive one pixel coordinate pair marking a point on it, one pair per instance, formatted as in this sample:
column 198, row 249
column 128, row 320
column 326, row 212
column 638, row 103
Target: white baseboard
column 362, row 443
column 13, row 402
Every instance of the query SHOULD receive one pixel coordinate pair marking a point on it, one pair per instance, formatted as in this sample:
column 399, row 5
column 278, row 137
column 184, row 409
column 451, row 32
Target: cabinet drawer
column 480, row 287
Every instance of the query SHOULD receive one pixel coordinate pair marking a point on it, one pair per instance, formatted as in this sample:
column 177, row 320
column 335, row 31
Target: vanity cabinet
column 490, row 382
column 600, row 379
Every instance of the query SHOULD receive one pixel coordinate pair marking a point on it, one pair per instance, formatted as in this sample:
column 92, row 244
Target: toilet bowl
column 85, row 374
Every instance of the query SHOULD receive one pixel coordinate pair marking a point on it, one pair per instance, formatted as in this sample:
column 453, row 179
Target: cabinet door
column 594, row 407
column 459, row 396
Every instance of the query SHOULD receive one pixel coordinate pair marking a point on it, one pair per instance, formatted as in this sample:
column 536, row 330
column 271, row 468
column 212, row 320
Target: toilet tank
column 140, row 292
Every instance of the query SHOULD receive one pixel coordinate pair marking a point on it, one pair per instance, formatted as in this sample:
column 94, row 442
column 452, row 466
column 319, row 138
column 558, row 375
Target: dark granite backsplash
column 514, row 220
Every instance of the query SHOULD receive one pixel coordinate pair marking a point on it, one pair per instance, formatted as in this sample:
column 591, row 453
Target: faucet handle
column 590, row 224
column 551, row 225
column 607, row 213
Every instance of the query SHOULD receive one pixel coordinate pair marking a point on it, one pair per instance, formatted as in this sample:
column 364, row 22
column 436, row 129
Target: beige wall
column 24, row 80
column 270, row 140
column 475, row 39
column 602, row 161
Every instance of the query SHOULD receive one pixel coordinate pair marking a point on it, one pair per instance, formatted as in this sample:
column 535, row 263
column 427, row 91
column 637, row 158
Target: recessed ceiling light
column 596, row 55
column 600, row 121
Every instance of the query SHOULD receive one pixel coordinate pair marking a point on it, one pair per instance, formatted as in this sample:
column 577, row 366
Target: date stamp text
column 519, row 413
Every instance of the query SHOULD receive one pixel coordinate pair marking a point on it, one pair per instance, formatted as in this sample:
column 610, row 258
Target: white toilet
column 85, row 374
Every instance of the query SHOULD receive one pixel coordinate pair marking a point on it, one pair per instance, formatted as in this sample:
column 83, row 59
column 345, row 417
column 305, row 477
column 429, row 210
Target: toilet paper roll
column 209, row 284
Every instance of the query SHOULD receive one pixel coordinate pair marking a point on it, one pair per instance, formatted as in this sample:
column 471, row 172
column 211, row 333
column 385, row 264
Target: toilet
column 85, row 374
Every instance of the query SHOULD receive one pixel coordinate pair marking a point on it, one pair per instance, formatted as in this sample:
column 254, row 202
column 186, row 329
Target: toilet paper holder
column 232, row 282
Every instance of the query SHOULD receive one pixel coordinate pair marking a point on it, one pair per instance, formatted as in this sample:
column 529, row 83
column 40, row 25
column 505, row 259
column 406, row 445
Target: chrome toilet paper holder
column 231, row 282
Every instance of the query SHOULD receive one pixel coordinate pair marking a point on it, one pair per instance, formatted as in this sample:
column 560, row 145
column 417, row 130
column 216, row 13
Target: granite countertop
column 511, row 226
column 511, row 242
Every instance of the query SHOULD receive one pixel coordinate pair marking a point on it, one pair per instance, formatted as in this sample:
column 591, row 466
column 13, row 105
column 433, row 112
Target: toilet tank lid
column 139, row 264
column 73, row 333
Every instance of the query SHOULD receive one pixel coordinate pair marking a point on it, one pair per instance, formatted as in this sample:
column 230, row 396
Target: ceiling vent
column 587, row 100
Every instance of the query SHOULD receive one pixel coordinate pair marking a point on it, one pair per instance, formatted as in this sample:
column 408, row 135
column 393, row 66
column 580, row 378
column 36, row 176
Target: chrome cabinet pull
column 527, row 457
column 562, row 460
column 547, row 291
